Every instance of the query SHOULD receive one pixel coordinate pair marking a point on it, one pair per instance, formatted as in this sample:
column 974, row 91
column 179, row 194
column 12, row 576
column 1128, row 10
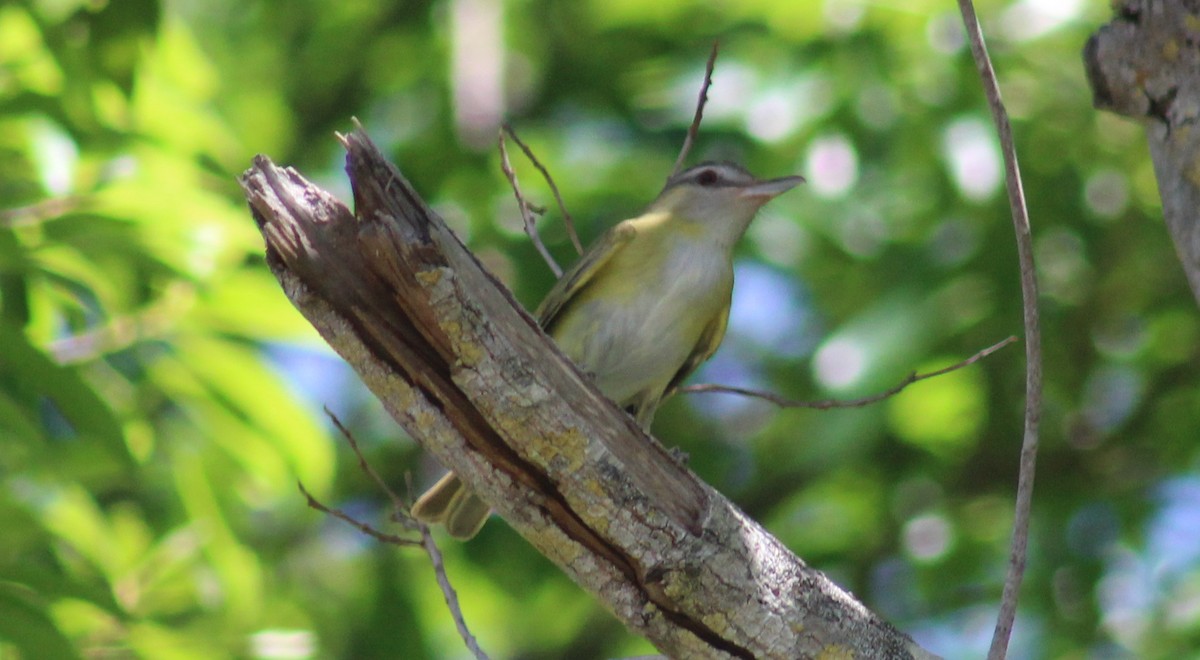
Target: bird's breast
column 645, row 313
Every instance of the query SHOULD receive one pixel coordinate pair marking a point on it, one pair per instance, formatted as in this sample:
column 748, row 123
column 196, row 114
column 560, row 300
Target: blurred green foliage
column 159, row 398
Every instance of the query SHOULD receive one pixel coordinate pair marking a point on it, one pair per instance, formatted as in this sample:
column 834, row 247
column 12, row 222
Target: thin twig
column 398, row 504
column 526, row 214
column 700, row 101
column 1033, row 340
column 567, row 220
column 400, row 514
column 448, row 593
column 120, row 332
column 39, row 212
column 851, row 403
column 357, row 524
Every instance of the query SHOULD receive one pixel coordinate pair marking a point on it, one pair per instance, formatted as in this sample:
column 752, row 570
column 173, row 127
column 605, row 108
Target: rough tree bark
column 1145, row 64
column 471, row 377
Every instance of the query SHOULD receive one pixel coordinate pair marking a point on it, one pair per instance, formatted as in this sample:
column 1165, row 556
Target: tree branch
column 1033, row 336
column 384, row 537
column 827, row 404
column 467, row 372
column 1142, row 65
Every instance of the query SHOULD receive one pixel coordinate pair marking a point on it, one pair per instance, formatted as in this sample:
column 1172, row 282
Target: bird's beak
column 765, row 190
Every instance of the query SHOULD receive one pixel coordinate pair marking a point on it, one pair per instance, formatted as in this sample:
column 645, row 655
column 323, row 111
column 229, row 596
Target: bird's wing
column 581, row 274
column 710, row 339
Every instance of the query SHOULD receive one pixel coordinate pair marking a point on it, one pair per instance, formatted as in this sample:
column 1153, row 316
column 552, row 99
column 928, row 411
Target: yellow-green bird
column 643, row 307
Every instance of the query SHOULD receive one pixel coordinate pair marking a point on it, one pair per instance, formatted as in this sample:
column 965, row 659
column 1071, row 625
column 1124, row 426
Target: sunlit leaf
column 249, row 302
column 240, row 375
column 942, row 415
column 237, row 570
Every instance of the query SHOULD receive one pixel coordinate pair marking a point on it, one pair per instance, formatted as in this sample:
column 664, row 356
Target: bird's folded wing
column 580, row 275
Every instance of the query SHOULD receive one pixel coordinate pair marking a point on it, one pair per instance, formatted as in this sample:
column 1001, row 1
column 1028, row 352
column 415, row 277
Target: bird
column 643, row 307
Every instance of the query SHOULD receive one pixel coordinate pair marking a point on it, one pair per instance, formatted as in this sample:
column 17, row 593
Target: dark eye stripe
column 722, row 173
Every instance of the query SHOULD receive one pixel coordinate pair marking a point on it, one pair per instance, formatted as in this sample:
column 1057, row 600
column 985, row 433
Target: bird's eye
column 706, row 178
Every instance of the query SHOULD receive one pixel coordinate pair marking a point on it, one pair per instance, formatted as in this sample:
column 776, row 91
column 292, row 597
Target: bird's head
column 722, row 196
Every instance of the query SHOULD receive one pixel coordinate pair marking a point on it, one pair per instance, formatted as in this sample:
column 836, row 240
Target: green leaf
column 238, row 377
column 249, row 302
column 69, row 409
column 25, row 623
column 943, row 415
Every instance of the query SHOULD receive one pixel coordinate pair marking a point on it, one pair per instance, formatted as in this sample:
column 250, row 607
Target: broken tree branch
column 468, row 373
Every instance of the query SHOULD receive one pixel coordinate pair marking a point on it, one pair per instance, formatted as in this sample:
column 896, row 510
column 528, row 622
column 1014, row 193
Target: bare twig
column 39, row 212
column 400, row 514
column 526, row 214
column 851, row 403
column 451, row 596
column 120, row 332
column 357, row 524
column 1033, row 341
column 398, row 504
column 700, row 101
column 567, row 220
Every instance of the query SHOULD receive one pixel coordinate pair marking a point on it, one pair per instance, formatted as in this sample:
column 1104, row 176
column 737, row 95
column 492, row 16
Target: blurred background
column 160, row 398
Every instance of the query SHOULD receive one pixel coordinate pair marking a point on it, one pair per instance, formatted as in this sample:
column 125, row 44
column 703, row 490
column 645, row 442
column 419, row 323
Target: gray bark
column 1145, row 64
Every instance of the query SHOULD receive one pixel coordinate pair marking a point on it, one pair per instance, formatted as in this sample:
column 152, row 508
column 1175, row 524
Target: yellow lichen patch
column 465, row 346
column 1192, row 23
column 470, row 353
column 556, row 547
column 716, row 622
column 1170, row 50
column 1193, row 173
column 835, row 652
column 424, row 417
column 595, row 487
column 599, row 524
column 568, row 445
column 571, row 444
column 430, row 277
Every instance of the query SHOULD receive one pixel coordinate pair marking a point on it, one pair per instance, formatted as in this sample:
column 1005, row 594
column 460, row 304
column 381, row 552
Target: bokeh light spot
column 832, row 166
column 1029, row 19
column 1106, row 193
column 927, row 538
column 973, row 156
column 840, row 363
column 942, row 415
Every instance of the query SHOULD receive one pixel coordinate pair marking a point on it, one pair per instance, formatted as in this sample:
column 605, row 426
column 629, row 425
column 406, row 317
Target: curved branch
column 1033, row 336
